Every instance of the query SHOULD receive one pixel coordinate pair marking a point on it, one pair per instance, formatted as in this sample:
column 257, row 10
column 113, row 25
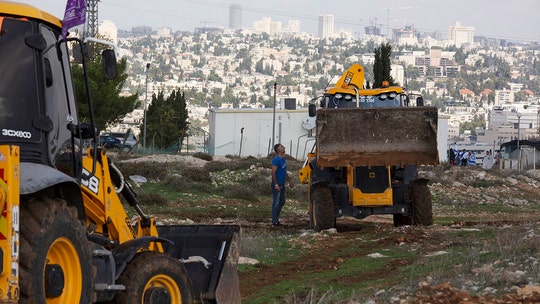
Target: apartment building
column 326, row 26
column 235, row 16
column 460, row 35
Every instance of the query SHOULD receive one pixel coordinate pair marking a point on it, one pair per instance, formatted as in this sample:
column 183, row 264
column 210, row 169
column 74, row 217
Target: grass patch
column 343, row 279
column 269, row 248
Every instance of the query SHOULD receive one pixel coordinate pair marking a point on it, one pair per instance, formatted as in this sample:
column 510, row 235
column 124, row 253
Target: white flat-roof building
column 248, row 132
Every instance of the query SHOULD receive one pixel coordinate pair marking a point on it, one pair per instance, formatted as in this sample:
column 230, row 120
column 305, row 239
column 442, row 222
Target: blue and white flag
column 75, row 15
column 472, row 159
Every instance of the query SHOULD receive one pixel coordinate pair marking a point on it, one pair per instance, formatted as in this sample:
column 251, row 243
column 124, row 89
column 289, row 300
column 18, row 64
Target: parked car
column 109, row 142
column 127, row 139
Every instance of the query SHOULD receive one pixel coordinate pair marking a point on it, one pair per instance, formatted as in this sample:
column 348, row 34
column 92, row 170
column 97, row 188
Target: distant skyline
column 515, row 20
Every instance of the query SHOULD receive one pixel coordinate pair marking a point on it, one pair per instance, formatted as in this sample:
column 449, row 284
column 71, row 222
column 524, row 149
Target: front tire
column 322, row 208
column 55, row 255
column 155, row 278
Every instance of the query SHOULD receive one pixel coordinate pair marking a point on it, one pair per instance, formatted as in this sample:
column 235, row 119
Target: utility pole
column 274, row 117
column 518, row 149
column 519, row 121
column 145, row 101
column 241, row 138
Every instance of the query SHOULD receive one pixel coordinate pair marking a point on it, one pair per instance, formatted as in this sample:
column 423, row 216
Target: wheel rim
column 63, row 255
column 165, row 283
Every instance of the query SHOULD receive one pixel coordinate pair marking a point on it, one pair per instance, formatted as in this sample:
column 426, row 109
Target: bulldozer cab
column 32, row 79
column 351, row 91
column 374, row 98
column 39, row 111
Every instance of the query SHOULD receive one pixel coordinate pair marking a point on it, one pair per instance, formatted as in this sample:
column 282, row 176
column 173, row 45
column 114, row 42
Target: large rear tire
column 422, row 206
column 55, row 256
column 322, row 208
column 155, row 278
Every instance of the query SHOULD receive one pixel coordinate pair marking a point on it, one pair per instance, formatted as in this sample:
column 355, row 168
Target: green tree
column 460, row 56
column 167, row 120
column 382, row 65
column 213, row 76
column 478, row 121
column 109, row 107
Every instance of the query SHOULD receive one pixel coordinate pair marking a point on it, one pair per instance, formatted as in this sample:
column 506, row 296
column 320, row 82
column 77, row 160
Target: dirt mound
column 169, row 158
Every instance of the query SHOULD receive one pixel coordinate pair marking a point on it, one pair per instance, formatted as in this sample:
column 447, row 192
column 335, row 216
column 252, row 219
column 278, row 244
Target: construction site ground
column 483, row 248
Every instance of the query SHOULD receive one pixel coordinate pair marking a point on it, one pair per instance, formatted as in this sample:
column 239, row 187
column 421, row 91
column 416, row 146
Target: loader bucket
column 210, row 255
column 377, row 136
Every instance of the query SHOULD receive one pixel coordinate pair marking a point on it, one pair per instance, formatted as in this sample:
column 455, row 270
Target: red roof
column 466, row 92
column 486, row 92
column 528, row 92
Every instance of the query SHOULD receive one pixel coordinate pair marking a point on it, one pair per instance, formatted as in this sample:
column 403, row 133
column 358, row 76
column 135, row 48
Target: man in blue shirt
column 279, row 176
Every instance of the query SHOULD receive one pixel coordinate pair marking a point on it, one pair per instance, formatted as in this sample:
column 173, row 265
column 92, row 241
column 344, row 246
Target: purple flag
column 75, row 15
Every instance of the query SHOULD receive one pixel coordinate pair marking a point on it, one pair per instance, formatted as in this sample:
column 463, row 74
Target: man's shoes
column 278, row 225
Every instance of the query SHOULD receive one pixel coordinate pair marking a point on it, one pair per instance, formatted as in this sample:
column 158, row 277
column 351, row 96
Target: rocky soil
column 501, row 207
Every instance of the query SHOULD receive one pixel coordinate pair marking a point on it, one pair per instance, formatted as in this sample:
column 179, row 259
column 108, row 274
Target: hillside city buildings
column 491, row 84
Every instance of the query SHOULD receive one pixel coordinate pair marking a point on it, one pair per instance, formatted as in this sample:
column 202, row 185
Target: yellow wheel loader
column 65, row 236
column 369, row 142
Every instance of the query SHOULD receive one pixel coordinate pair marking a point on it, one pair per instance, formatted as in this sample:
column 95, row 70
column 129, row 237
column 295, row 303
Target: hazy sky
column 506, row 19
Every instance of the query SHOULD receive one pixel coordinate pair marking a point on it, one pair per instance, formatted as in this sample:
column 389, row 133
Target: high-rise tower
column 235, row 16
column 326, row 25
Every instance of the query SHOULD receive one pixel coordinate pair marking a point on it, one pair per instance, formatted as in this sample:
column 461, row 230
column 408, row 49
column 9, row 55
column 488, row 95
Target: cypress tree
column 167, row 120
column 382, row 65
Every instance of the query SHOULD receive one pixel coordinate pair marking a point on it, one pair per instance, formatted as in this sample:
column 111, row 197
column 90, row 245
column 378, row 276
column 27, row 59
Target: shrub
column 239, row 191
column 237, row 164
column 200, row 187
column 183, row 184
column 176, row 183
column 150, row 170
column 216, row 166
column 246, row 163
column 202, row 155
column 197, row 174
column 151, row 199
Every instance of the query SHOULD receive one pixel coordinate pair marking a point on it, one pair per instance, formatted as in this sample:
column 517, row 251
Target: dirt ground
column 315, row 259
column 454, row 191
column 474, row 187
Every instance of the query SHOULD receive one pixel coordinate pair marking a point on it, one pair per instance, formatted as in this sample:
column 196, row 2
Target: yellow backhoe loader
column 369, row 142
column 65, row 236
